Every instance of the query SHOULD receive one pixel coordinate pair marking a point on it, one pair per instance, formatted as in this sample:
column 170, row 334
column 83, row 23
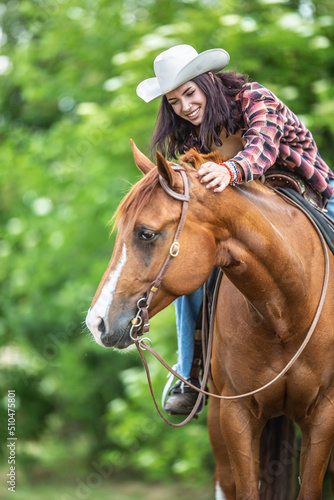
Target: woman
column 245, row 122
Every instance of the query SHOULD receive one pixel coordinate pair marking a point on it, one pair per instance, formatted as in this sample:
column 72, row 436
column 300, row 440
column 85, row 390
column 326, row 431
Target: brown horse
column 273, row 267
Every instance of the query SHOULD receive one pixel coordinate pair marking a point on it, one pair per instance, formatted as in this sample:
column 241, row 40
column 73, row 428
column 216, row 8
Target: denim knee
column 330, row 205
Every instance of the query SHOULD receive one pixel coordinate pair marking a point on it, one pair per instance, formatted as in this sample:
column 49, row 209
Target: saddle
column 283, row 179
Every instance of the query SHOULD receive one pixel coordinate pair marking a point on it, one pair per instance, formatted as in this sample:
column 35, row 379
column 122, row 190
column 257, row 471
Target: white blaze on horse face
column 219, row 492
column 101, row 307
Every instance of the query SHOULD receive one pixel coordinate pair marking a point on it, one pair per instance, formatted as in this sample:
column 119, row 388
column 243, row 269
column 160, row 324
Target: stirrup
column 169, row 387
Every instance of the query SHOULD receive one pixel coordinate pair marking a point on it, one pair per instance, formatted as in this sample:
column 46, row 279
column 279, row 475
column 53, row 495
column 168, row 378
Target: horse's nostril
column 102, row 327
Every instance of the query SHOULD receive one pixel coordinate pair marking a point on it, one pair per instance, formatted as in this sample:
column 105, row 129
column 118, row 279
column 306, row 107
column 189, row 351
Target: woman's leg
column 187, row 309
column 330, row 205
column 181, row 398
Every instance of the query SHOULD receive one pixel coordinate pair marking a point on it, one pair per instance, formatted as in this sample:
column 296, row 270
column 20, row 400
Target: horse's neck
column 262, row 253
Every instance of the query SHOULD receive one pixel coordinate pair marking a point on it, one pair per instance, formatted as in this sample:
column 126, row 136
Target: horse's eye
column 147, row 235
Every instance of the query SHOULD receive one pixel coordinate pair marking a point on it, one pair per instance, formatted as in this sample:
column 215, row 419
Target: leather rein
column 140, row 324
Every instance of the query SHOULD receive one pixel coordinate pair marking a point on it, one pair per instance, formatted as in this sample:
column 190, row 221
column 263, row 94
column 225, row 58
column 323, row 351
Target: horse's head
column 147, row 219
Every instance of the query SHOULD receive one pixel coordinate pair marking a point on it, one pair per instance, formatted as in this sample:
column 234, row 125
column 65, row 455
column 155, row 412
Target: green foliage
column 68, row 73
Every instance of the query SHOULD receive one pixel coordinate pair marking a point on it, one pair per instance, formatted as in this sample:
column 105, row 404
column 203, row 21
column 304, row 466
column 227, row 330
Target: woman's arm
column 265, row 126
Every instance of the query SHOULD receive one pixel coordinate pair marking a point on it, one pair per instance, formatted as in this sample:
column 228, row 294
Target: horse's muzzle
column 116, row 335
column 119, row 339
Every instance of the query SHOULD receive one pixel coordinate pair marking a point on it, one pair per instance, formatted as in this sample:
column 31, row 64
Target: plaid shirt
column 275, row 135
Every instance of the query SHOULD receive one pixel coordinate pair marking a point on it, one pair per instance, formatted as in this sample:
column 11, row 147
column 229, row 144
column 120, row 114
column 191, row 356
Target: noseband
column 140, row 324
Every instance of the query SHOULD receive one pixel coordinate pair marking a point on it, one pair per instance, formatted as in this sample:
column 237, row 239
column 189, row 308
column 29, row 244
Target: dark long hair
column 174, row 135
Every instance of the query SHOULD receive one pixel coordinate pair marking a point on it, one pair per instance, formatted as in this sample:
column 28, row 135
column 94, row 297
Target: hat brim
column 213, row 60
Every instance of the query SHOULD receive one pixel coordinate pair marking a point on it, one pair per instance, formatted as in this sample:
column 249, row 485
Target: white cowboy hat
column 177, row 65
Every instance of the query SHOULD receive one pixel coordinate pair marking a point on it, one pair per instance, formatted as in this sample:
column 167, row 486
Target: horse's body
column 273, row 267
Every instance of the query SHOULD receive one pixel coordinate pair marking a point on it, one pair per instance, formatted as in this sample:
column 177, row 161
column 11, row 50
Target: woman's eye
column 147, row 235
column 190, row 93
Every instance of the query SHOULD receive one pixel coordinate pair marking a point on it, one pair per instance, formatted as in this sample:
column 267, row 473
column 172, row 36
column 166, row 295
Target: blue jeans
column 330, row 206
column 187, row 310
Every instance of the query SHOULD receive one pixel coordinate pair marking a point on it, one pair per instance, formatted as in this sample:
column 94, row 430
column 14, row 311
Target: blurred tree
column 68, row 73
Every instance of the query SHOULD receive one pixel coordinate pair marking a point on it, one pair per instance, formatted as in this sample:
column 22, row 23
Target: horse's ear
column 142, row 162
column 165, row 170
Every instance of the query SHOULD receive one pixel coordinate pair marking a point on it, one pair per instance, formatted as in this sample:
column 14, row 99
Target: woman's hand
column 214, row 176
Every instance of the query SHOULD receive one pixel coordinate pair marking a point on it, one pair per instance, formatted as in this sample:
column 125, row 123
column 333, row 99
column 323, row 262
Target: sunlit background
column 85, row 424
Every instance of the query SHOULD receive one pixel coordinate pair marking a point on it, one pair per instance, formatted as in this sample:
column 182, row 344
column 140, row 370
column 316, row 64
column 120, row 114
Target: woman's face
column 188, row 101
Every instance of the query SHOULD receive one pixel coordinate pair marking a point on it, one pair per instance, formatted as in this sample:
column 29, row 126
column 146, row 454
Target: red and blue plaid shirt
column 275, row 135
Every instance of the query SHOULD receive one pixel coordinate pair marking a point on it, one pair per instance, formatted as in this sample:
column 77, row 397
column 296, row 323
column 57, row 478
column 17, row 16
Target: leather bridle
column 140, row 324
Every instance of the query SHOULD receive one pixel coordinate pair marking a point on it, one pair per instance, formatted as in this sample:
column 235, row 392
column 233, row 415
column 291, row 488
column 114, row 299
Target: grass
column 131, row 490
column 113, row 490
column 95, row 486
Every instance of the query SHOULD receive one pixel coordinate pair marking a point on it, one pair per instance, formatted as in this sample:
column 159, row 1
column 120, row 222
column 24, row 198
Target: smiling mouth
column 193, row 114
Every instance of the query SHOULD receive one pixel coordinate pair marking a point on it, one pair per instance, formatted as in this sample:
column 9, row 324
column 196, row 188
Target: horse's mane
column 196, row 159
column 144, row 190
column 138, row 197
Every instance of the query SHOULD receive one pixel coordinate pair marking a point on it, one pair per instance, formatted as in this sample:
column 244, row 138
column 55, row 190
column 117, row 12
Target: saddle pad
column 324, row 223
